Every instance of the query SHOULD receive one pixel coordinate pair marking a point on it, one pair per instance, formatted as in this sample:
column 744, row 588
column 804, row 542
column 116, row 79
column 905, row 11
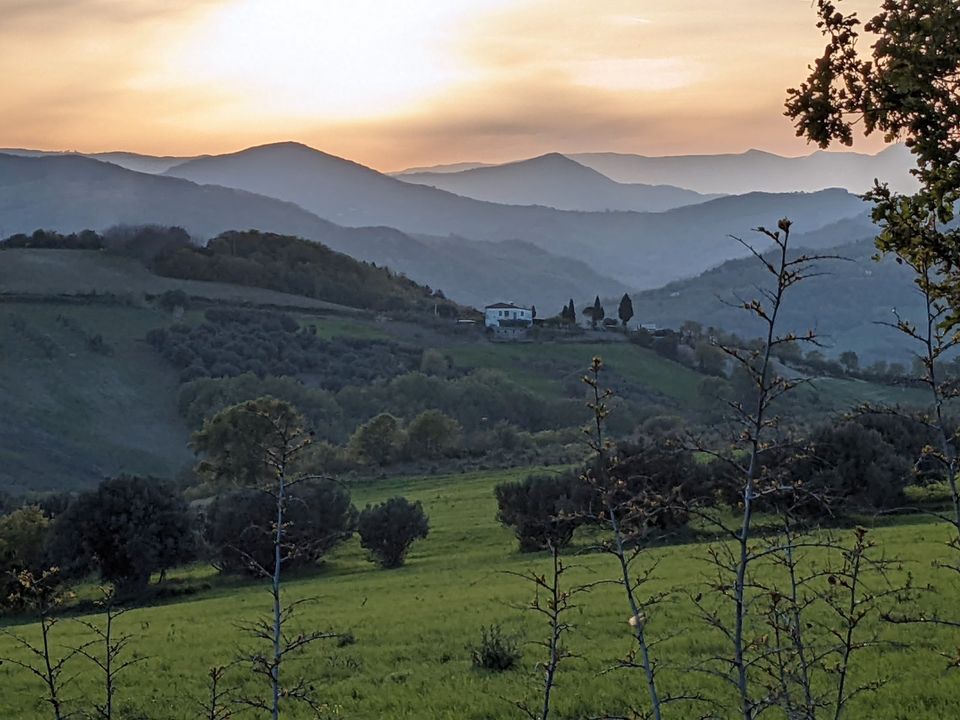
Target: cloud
column 481, row 80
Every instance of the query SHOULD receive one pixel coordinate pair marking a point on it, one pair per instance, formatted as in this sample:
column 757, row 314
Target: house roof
column 504, row 306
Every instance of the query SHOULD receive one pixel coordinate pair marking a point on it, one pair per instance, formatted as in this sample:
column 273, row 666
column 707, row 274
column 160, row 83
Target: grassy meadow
column 413, row 626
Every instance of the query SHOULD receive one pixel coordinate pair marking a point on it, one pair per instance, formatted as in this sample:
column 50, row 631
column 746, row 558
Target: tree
column 625, row 310
column 44, row 594
column 758, row 389
column 389, row 529
column 238, row 526
column 710, row 359
column 432, row 434
column 127, row 529
column 533, row 312
column 690, row 331
column 850, row 361
column 653, row 475
column 377, row 440
column 434, row 362
column 270, row 436
column 572, row 313
column 22, row 537
column 852, row 468
column 907, row 89
column 170, row 300
column 597, row 313
column 543, row 510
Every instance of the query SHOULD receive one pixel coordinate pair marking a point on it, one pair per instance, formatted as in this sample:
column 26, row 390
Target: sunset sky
column 394, row 83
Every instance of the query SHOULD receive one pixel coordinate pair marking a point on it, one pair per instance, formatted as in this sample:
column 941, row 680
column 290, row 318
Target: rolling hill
column 68, row 193
column 638, row 249
column 756, row 170
column 845, row 305
column 128, row 160
column 555, row 181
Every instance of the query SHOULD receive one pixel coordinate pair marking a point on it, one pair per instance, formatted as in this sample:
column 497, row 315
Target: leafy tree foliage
column 127, row 529
column 205, row 397
column 23, row 534
column 432, row 435
column 389, row 529
column 850, row 467
column 170, row 300
column 477, row 401
column 48, row 239
column 147, row 243
column 238, row 526
column 907, row 88
column 595, row 312
column 378, row 440
column 434, row 362
column 543, row 510
column 908, row 436
column 850, row 361
column 236, row 341
column 239, row 444
column 653, row 484
column 301, row 267
column 625, row 309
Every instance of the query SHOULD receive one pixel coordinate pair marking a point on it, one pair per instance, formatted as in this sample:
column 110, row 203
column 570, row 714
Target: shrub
column 238, row 526
column 128, row 528
column 496, row 651
column 849, row 467
column 656, row 481
column 22, row 536
column 543, row 510
column 389, row 529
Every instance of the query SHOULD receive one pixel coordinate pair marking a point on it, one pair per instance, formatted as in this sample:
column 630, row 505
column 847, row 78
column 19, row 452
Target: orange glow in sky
column 394, row 84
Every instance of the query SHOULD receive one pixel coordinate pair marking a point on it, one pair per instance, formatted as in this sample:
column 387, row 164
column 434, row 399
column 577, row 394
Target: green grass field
column 542, row 366
column 413, row 625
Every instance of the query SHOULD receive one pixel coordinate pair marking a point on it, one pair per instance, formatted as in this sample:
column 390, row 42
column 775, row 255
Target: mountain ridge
column 637, row 249
column 70, row 193
column 555, row 180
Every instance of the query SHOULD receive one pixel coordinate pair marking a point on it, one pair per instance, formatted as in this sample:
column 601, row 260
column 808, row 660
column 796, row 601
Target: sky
column 400, row 83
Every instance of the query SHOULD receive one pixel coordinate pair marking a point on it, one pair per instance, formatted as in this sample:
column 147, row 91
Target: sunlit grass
column 413, row 627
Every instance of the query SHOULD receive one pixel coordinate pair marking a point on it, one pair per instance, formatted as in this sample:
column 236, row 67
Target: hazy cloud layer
column 396, row 84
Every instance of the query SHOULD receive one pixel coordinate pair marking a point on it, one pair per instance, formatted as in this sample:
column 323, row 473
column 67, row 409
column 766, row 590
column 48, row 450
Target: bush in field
column 496, row 651
column 657, row 481
column 23, row 535
column 127, row 529
column 850, row 467
column 389, row 529
column 238, row 526
column 543, row 510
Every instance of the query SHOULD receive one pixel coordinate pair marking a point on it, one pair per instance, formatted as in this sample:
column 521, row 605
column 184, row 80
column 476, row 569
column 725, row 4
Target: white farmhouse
column 507, row 315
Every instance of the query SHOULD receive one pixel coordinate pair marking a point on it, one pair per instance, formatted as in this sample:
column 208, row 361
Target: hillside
column 41, row 273
column 75, row 413
column 844, row 305
column 87, row 396
column 128, row 160
column 756, row 170
column 69, row 193
column 555, row 181
column 638, row 249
